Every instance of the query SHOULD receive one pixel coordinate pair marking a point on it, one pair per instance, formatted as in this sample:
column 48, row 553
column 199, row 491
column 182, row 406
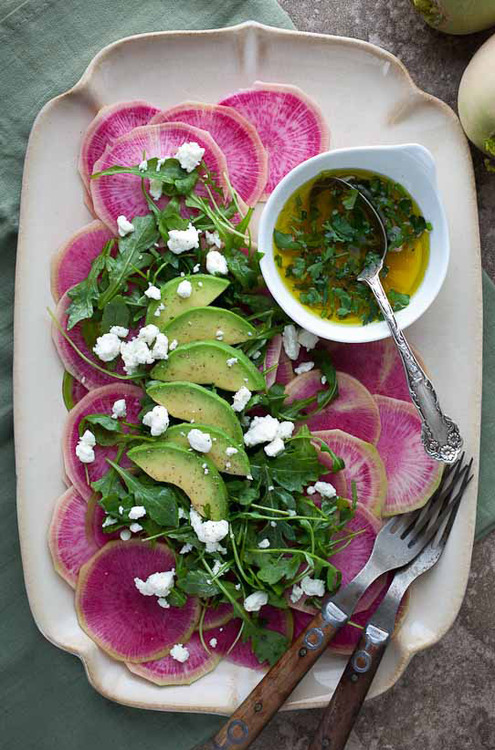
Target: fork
column 398, row 542
column 341, row 713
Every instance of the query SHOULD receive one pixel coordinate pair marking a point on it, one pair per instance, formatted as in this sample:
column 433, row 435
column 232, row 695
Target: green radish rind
column 239, row 462
column 184, row 400
column 205, row 289
column 195, row 474
column 109, row 606
column 412, row 476
column 476, row 101
column 205, row 363
column 456, row 16
column 200, row 323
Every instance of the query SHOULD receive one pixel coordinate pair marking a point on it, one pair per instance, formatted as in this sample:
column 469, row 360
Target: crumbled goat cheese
column 157, row 420
column 285, row 430
column 261, row 430
column 312, row 587
column 135, row 527
column 161, row 161
column 275, row 447
column 119, row 408
column 109, row 521
column 264, row 544
column 180, row 240
column 213, row 239
column 196, row 268
column 173, row 345
column 107, row 347
column 273, row 524
column 135, row 353
column 296, row 593
column 271, row 488
column 124, row 226
column 216, row 263
column 241, row 398
column 304, row 367
column 179, row 653
column 232, row 361
column 291, row 344
column 311, row 490
column 184, row 289
column 125, row 535
column 307, row 339
column 291, row 512
column 163, row 603
column 137, row 511
column 189, row 155
column 120, row 331
column 85, row 448
column 160, row 347
column 159, row 310
column 153, row 292
column 231, row 451
column 185, row 549
column 199, row 441
column 208, row 532
column 213, row 642
column 143, row 166
column 148, row 333
column 219, row 335
column 182, row 513
column 157, row 584
column 325, row 489
column 323, row 379
column 228, row 464
column 156, row 189
column 217, row 567
column 255, row 601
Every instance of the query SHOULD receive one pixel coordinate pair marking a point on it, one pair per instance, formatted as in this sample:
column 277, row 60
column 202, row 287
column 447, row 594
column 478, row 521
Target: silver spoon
column 440, row 436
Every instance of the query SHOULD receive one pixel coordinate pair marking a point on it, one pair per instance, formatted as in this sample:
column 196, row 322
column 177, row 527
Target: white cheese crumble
column 189, row 155
column 184, row 289
column 255, row 601
column 120, row 331
column 267, row 429
column 312, row 586
column 119, row 409
column 143, row 166
column 153, row 292
column 173, row 345
column 196, row 268
column 208, row 532
column 185, row 549
column 219, row 335
column 109, row 521
column 179, row 653
column 135, row 527
column 125, row 535
column 180, row 240
column 216, row 263
column 156, row 189
column 124, row 226
column 230, row 451
column 213, row 239
column 241, row 398
column 148, row 333
column 292, row 346
column 325, row 489
column 157, row 420
column 264, row 544
column 296, row 593
column 304, row 367
column 232, row 361
column 213, row 642
column 137, row 511
column 135, row 353
column 199, row 441
column 307, row 339
column 107, row 347
column 157, row 584
column 160, row 347
column 85, row 448
column 159, row 310
column 323, row 379
column 274, row 448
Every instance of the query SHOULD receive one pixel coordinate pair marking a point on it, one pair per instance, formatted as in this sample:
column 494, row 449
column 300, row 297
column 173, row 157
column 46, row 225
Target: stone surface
column 445, row 700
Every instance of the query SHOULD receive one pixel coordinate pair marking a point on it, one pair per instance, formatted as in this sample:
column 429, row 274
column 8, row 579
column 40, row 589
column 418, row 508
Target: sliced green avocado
column 206, row 362
column 238, row 463
column 194, row 474
column 200, row 323
column 205, row 289
column 193, row 402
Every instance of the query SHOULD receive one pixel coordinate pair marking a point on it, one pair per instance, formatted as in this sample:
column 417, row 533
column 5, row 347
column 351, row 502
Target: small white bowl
column 412, row 166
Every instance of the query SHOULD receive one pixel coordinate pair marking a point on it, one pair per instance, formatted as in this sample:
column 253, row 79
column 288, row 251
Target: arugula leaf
column 85, row 294
column 174, row 179
column 268, row 645
column 116, row 313
column 198, row 582
column 109, row 484
column 160, row 501
column 273, row 570
column 108, row 423
column 176, row 598
column 293, row 469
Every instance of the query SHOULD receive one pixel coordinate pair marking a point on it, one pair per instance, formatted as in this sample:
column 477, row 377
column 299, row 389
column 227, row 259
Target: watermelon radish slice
column 218, row 616
column 72, row 390
column 123, row 622
column 279, row 620
column 272, row 358
column 285, row 371
column 109, row 124
column 363, row 466
column 247, row 160
column 118, row 194
column 375, row 364
column 73, row 261
column 87, row 375
column 412, row 476
column 169, row 671
column 95, row 515
column 289, row 123
column 354, row 410
column 70, row 544
column 98, row 401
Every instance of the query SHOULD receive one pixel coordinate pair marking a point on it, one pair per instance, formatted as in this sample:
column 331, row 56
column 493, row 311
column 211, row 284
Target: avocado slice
column 206, row 362
column 196, row 475
column 193, row 402
column 200, row 323
column 205, row 289
column 235, row 464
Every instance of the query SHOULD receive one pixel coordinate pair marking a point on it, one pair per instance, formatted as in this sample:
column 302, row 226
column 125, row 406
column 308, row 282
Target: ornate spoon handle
column 440, row 435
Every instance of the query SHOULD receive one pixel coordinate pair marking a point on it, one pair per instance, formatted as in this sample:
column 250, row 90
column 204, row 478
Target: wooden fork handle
column 263, row 702
column 341, row 713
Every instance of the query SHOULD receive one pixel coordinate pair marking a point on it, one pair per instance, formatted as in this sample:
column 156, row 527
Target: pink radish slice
column 363, row 466
column 110, row 123
column 70, row 544
column 272, row 358
column 72, row 390
column 169, row 671
column 95, row 515
column 285, row 371
column 123, row 622
column 73, row 261
column 118, row 194
column 289, row 123
column 247, row 160
column 411, row 475
column 218, row 616
column 98, row 401
column 279, row 620
column 376, row 365
column 354, row 410
column 87, row 375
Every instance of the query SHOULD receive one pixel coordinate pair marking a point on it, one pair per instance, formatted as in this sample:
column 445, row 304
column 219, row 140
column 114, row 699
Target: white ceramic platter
column 368, row 98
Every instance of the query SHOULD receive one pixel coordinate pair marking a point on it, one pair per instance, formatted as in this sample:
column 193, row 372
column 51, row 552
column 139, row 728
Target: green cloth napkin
column 45, row 45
